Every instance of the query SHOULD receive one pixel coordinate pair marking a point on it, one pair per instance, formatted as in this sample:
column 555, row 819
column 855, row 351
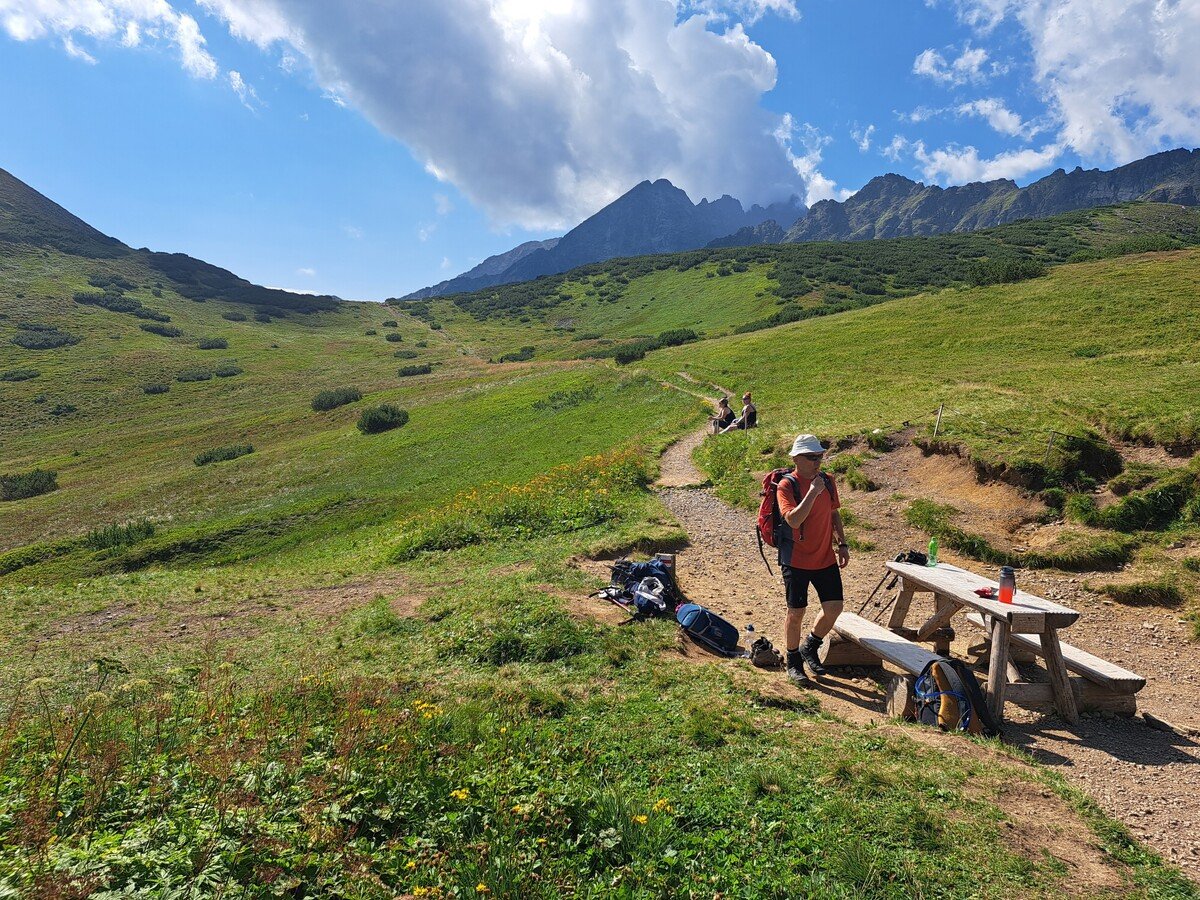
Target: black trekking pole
column 871, row 596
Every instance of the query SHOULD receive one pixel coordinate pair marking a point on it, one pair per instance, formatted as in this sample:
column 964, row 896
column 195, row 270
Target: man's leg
column 828, row 583
column 829, row 613
column 794, row 629
column 795, row 587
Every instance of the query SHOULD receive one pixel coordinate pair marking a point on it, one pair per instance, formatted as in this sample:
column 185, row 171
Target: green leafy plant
column 32, row 336
column 168, row 331
column 110, row 537
column 19, row 374
column 332, row 399
column 155, row 387
column 393, row 337
column 23, row 485
column 385, row 417
column 213, row 344
column 228, row 370
column 415, row 369
column 222, row 454
column 194, row 375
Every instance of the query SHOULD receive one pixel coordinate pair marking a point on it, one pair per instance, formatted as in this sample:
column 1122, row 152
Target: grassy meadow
column 358, row 665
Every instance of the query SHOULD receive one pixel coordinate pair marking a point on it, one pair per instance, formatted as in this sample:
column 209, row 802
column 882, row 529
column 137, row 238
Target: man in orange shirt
column 808, row 505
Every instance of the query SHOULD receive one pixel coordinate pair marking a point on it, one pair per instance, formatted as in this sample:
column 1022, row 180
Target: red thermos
column 1008, row 584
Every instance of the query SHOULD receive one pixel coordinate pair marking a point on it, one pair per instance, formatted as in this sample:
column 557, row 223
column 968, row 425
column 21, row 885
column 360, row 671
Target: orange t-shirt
column 813, row 550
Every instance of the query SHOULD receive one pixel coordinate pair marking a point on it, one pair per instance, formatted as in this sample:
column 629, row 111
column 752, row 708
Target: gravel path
column 1150, row 779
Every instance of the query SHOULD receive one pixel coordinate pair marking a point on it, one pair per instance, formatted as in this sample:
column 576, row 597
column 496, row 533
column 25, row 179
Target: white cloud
column 748, row 11
column 812, row 143
column 353, row 232
column 307, row 272
column 425, row 231
column 1121, row 77
column 953, row 164
column 999, row 116
column 967, row 66
column 126, row 21
column 244, row 91
column 542, row 111
column 895, row 149
column 862, row 137
column 446, row 263
column 443, row 205
column 920, row 114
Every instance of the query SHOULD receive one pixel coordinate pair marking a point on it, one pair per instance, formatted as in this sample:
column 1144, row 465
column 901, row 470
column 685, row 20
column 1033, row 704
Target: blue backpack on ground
column 708, row 629
column 644, row 588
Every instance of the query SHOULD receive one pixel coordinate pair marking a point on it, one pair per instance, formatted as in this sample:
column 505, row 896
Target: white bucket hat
column 806, row 443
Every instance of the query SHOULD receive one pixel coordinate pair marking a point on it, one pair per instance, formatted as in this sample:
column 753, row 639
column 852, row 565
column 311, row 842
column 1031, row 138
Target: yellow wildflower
column 411, row 864
column 460, row 793
column 482, row 888
column 663, row 805
column 504, row 729
column 641, row 820
column 517, row 808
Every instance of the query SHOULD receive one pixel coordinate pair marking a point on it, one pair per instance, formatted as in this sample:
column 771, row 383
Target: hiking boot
column 808, row 652
column 795, row 669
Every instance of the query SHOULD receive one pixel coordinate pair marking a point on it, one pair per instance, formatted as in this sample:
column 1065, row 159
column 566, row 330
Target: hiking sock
column 808, row 652
column 795, row 668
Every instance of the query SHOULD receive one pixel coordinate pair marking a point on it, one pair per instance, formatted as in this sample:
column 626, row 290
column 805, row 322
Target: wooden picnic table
column 954, row 590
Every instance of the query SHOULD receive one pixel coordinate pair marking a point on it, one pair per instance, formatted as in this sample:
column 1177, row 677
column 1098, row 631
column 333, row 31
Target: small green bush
column 262, row 316
column 880, row 443
column 327, row 400
column 393, row 338
column 391, row 323
column 380, row 418
column 155, row 387
column 43, row 337
column 62, row 409
column 169, row 331
column 523, row 355
column 421, row 344
column 194, row 375
column 110, row 537
column 221, row 454
column 228, row 370
column 213, row 344
column 1055, row 498
column 234, row 316
column 23, row 485
column 370, row 332
column 19, row 374
column 417, row 369
column 406, row 354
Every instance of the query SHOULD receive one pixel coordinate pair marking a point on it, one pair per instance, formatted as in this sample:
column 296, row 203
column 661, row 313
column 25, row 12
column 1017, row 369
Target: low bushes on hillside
column 62, row 409
column 155, row 387
column 385, row 417
column 110, row 537
column 1005, row 270
column 221, row 454
column 415, row 369
column 406, row 354
column 213, row 344
column 19, row 374
column 393, row 337
column 194, row 375
column 228, row 370
column 114, row 301
column 567, row 498
column 34, row 336
column 635, row 350
column 391, row 323
column 23, row 485
column 169, row 331
column 327, row 400
column 523, row 355
column 234, row 316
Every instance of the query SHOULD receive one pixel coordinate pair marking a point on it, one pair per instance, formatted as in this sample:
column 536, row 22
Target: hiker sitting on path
column 747, row 419
column 723, row 417
column 808, row 504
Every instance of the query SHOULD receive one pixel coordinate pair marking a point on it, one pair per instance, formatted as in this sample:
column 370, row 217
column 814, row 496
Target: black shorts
column 828, row 583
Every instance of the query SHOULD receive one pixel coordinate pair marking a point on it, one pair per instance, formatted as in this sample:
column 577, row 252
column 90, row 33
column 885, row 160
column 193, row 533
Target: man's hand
column 819, row 485
column 843, row 555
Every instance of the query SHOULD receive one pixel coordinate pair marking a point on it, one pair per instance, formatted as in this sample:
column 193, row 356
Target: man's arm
column 843, row 548
column 795, row 517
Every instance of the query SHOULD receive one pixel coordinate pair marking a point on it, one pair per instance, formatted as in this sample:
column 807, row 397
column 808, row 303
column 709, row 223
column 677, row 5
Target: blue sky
column 370, row 149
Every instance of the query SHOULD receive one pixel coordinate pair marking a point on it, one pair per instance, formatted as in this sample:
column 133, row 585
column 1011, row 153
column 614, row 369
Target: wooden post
column 903, row 601
column 937, row 426
column 998, row 668
column 900, row 697
column 1056, row 667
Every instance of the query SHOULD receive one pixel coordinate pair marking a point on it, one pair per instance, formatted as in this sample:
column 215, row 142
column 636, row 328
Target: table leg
column 1060, row 681
column 998, row 668
column 903, row 602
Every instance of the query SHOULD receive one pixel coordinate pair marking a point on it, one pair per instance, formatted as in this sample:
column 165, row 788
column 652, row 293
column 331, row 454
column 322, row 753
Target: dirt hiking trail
column 1147, row 778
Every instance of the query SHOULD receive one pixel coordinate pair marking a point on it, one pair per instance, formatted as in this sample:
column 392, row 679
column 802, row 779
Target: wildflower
column 663, row 805
column 504, row 729
column 411, row 864
column 517, row 808
column 541, row 840
column 460, row 793
column 640, row 820
column 482, row 888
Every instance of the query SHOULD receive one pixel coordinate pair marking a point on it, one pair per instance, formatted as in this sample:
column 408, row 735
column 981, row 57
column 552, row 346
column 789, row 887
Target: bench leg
column 900, row 610
column 998, row 668
column 1060, row 681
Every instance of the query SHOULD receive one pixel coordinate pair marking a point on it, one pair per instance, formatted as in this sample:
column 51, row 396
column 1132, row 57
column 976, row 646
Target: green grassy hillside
column 356, row 665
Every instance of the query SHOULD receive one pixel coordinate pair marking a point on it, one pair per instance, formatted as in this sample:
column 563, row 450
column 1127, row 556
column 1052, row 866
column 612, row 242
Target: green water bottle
column 933, row 545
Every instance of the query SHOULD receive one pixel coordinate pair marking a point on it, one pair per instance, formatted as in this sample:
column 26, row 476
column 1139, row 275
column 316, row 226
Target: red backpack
column 769, row 520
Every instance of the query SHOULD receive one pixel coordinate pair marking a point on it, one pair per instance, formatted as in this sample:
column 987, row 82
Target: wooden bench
column 1102, row 685
column 880, row 643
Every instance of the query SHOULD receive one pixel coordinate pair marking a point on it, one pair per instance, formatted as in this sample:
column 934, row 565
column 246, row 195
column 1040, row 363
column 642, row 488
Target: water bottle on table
column 1008, row 584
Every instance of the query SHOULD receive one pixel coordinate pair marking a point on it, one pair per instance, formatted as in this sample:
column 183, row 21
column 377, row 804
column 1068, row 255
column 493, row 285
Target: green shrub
column 1055, row 498
column 169, row 331
column 23, row 485
column 858, row 480
column 228, row 370
column 221, row 454
column 62, row 409
column 327, row 400
column 880, row 442
column 406, row 354
column 213, row 344
column 391, row 323
column 19, row 374
column 155, row 387
column 370, row 332
column 112, row 536
column 416, row 369
column 422, row 344
column 565, row 399
column 523, row 355
column 1081, row 508
column 43, row 337
column 1192, row 563
column 194, row 375
column 380, row 418
column 393, row 338
column 262, row 316
column 234, row 316
column 625, row 355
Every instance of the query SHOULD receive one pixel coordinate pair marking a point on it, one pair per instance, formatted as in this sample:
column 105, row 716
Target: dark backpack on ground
column 708, row 629
column 627, row 575
column 961, row 686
